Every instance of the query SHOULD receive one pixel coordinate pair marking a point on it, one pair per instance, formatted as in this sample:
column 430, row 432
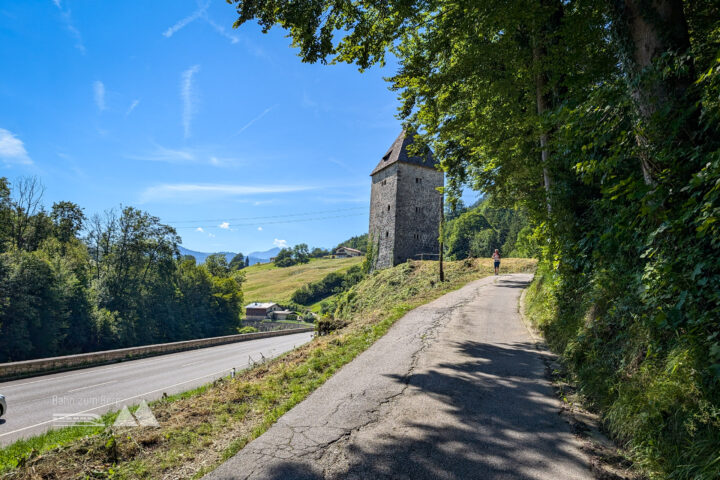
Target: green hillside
column 267, row 283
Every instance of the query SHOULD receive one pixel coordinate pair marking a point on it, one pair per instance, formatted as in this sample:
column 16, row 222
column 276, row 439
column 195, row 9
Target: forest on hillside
column 478, row 230
column 71, row 284
column 602, row 121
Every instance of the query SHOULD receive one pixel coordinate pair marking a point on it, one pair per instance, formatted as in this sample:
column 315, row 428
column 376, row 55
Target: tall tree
column 237, row 262
column 217, row 265
column 68, row 219
column 655, row 43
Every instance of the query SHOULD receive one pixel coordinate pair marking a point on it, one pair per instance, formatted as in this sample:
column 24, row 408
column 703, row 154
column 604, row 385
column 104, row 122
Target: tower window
column 418, row 180
column 388, row 208
column 417, row 209
column 384, row 182
column 387, row 234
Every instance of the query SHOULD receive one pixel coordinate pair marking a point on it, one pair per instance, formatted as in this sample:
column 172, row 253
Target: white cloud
column 259, row 229
column 221, row 30
column 211, row 235
column 199, row 229
column 188, row 97
column 224, row 225
column 67, row 20
column 12, row 149
column 201, row 13
column 200, row 156
column 169, row 155
column 249, row 124
column 343, row 165
column 130, row 109
column 280, row 243
column 195, row 192
column 99, row 91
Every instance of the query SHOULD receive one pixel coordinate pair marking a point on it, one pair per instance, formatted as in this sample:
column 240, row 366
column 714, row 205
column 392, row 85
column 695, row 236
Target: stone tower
column 405, row 206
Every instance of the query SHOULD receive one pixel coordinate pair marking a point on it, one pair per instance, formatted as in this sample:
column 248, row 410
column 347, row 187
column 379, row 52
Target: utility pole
column 442, row 235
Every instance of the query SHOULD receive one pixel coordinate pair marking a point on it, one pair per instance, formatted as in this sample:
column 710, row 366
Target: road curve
column 455, row 390
column 34, row 403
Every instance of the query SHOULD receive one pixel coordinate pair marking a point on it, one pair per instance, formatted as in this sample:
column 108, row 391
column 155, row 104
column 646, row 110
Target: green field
column 267, row 283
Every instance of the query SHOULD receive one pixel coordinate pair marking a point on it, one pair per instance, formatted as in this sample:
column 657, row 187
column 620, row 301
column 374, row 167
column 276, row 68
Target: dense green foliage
column 479, row 230
column 121, row 285
column 319, row 252
column 358, row 242
column 332, row 283
column 287, row 257
column 601, row 119
column 238, row 262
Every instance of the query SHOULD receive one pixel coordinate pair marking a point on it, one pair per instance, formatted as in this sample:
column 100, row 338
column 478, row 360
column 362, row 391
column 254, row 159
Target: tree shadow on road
column 493, row 417
column 512, row 283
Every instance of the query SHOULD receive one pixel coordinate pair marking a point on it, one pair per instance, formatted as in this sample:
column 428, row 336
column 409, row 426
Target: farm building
column 261, row 311
column 344, row 252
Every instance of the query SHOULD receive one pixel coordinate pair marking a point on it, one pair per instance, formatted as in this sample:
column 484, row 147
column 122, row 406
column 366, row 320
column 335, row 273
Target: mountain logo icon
column 143, row 417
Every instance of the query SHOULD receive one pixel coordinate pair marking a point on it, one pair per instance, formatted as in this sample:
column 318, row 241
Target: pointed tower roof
column 398, row 153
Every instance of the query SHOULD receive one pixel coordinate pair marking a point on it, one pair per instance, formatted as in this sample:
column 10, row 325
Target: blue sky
column 161, row 105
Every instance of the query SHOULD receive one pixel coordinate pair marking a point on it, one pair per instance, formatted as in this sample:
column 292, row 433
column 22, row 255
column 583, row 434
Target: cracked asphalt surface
column 456, row 389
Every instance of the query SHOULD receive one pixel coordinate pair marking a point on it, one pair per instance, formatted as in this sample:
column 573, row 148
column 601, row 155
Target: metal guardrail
column 427, row 256
column 28, row 368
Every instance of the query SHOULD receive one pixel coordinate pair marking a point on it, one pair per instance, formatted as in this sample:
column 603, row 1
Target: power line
column 299, row 220
column 266, row 217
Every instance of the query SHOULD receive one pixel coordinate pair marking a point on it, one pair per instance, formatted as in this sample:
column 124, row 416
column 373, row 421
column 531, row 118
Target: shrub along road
column 456, row 389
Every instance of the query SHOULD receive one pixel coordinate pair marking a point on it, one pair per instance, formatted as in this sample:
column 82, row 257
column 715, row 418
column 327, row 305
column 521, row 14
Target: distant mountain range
column 255, row 257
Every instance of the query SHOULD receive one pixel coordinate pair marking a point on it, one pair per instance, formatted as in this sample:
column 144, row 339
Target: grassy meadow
column 264, row 282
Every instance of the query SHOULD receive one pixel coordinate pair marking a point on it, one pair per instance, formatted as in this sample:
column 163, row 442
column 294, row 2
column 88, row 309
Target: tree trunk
column 543, row 102
column 648, row 30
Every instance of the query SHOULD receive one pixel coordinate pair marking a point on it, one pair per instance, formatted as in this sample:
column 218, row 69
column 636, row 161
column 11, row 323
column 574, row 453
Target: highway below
column 39, row 403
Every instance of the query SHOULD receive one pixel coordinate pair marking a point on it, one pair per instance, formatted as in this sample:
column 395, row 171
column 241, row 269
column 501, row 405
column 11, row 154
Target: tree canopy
column 69, row 284
column 600, row 119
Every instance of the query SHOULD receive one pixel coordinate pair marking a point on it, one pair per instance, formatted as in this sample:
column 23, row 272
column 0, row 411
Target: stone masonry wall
column 419, row 207
column 382, row 215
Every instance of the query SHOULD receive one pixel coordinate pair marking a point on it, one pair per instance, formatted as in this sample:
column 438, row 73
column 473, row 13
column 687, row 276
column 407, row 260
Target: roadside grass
column 650, row 399
column 201, row 428
column 267, row 283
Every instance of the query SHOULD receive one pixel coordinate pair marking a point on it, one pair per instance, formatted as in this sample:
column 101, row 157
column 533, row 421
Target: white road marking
column 191, row 363
column 110, row 403
column 84, row 372
column 227, row 370
column 91, row 386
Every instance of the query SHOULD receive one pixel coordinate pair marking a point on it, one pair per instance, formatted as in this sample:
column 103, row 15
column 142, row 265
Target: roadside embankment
column 29, row 368
column 646, row 385
column 200, row 429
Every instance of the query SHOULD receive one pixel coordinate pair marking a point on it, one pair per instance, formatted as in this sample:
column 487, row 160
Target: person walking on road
column 496, row 258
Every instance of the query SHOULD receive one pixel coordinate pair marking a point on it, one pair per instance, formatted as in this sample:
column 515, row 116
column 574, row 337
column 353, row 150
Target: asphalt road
column 34, row 404
column 455, row 390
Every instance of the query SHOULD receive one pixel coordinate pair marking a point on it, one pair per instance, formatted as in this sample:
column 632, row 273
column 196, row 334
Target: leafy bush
column 247, row 329
column 331, row 284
